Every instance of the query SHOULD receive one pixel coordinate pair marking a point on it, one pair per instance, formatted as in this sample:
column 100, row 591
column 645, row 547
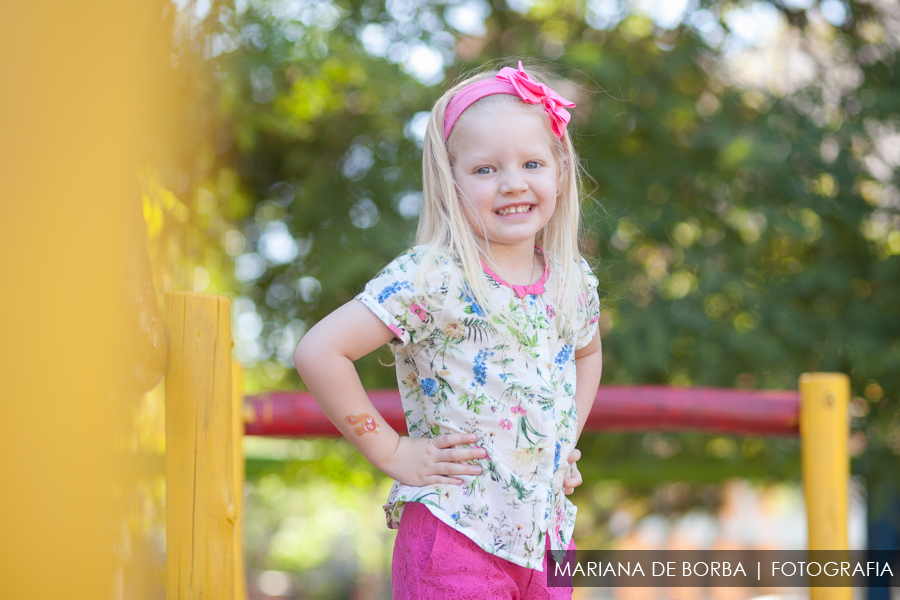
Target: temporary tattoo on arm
column 364, row 423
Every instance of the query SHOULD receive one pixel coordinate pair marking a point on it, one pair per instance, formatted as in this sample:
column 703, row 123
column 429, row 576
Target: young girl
column 492, row 320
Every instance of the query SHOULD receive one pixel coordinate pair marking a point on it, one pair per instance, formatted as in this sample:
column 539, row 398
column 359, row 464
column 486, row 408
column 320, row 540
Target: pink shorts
column 434, row 561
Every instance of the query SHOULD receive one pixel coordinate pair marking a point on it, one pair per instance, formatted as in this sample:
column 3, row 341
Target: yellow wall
column 75, row 104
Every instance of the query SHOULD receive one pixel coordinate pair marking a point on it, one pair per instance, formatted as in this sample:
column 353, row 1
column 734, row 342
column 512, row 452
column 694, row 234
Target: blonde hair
column 443, row 224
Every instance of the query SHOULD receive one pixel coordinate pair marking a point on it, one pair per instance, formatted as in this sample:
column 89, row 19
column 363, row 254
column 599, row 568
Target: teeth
column 514, row 209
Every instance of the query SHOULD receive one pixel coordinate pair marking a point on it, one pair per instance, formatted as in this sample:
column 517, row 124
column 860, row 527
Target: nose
column 512, row 183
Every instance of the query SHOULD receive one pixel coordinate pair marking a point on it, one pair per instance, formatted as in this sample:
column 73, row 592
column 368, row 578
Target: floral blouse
column 508, row 377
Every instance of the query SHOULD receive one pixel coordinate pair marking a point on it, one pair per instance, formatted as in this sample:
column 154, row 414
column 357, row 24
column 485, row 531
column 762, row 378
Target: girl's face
column 504, row 166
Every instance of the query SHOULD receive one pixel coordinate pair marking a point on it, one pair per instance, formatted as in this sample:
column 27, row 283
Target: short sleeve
column 392, row 295
column 588, row 308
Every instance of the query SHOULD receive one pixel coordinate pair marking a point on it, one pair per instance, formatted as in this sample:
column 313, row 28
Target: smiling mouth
column 511, row 210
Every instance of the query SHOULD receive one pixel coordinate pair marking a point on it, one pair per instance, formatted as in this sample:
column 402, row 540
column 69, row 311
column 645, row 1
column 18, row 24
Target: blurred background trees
column 742, row 207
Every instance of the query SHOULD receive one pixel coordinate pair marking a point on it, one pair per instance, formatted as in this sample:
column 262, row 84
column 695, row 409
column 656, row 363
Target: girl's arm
column 324, row 358
column 588, row 366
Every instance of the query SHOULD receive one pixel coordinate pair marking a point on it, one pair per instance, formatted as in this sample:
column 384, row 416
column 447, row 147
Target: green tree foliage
column 742, row 208
column 745, row 232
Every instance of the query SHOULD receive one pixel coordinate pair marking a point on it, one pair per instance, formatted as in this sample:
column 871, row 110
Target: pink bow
column 532, row 92
column 515, row 83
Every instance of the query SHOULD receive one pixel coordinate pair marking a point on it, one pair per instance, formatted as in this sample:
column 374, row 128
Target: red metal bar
column 617, row 408
column 712, row 410
column 297, row 414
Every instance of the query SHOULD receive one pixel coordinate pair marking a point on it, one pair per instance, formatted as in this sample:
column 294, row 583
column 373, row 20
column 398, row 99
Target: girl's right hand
column 427, row 461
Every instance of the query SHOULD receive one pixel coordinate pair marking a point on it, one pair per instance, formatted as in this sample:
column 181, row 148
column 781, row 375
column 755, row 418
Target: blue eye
column 532, row 164
column 483, row 170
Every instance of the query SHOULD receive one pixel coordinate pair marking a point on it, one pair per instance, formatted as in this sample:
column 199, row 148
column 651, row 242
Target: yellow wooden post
column 824, row 429
column 237, row 435
column 201, row 508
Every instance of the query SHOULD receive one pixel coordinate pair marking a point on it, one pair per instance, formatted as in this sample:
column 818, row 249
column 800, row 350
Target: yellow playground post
column 825, row 464
column 204, row 465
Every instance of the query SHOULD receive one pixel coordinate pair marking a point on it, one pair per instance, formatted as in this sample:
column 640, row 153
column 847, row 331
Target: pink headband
column 516, row 83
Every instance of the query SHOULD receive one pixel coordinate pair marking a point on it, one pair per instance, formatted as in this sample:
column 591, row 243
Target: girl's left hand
column 573, row 477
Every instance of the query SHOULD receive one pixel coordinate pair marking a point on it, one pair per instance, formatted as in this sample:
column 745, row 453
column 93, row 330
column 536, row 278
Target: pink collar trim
column 523, row 290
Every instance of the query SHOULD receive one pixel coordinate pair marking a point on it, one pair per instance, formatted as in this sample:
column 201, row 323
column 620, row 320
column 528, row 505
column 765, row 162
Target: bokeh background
column 742, row 210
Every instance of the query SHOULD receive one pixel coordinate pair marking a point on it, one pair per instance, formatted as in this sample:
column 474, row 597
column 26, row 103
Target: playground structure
column 207, row 415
